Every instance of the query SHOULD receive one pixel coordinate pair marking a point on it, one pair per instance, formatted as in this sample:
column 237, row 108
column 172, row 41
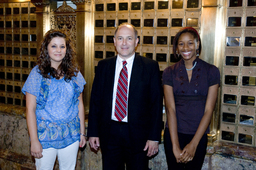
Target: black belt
column 120, row 123
column 190, row 97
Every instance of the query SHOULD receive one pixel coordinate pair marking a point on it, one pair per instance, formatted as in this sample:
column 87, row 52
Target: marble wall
column 220, row 156
column 15, row 149
column 14, row 141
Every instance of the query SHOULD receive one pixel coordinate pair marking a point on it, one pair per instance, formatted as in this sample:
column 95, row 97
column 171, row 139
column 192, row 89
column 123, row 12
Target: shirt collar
column 129, row 60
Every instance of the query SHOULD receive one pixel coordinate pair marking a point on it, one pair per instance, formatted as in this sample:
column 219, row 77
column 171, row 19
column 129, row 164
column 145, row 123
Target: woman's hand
column 177, row 153
column 188, row 153
column 81, row 117
column 36, row 149
column 82, row 141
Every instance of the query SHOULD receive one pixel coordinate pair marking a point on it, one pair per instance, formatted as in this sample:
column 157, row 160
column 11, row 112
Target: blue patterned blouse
column 58, row 124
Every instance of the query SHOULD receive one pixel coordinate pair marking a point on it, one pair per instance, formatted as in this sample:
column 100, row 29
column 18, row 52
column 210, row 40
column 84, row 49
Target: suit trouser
column 119, row 152
column 66, row 157
column 184, row 139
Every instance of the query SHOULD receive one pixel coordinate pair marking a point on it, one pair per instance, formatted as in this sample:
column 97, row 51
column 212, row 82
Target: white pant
column 66, row 157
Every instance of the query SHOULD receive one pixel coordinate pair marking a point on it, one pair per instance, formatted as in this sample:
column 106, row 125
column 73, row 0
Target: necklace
column 192, row 67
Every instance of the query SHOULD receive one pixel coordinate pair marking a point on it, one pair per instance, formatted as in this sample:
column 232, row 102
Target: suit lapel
column 136, row 75
column 111, row 75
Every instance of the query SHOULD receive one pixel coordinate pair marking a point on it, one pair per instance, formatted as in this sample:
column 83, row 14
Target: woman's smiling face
column 57, row 51
column 187, row 46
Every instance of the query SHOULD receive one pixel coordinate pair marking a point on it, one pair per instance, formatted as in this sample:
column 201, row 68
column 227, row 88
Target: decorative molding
column 64, row 18
column 14, row 1
column 64, row 8
column 40, row 2
column 81, row 1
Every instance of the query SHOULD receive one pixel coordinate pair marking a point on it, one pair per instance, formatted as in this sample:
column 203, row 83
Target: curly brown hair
column 68, row 67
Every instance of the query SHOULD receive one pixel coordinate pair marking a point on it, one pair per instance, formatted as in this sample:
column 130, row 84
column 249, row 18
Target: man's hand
column 94, row 143
column 152, row 147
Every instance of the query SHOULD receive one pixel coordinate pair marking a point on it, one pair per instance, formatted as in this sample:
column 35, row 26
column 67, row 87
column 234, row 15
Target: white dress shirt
column 119, row 66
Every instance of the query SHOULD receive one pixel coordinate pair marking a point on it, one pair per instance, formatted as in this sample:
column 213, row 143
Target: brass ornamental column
column 85, row 45
column 212, row 34
column 40, row 4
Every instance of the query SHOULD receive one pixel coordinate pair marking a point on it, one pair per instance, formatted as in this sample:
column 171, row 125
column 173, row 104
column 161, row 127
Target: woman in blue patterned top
column 54, row 104
column 190, row 93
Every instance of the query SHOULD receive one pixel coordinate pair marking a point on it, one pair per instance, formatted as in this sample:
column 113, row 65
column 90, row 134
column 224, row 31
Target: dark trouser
column 119, row 151
column 184, row 139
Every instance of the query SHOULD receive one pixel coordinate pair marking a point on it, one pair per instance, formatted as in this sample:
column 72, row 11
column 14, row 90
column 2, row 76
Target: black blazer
column 145, row 102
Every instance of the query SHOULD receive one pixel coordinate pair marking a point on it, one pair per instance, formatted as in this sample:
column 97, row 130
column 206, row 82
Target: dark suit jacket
column 145, row 102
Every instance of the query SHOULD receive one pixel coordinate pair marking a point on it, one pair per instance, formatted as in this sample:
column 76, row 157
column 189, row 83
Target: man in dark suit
column 125, row 115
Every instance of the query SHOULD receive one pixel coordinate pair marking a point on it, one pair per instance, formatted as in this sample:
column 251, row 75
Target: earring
column 177, row 54
column 197, row 52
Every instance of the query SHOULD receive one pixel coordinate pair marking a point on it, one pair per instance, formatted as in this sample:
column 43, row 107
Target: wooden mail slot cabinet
column 245, row 135
column 238, row 109
column 246, row 116
column 157, row 22
column 230, row 95
column 229, row 114
column 228, row 132
column 18, row 49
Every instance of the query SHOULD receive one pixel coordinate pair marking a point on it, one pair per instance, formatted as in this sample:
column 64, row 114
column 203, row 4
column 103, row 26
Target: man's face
column 125, row 42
